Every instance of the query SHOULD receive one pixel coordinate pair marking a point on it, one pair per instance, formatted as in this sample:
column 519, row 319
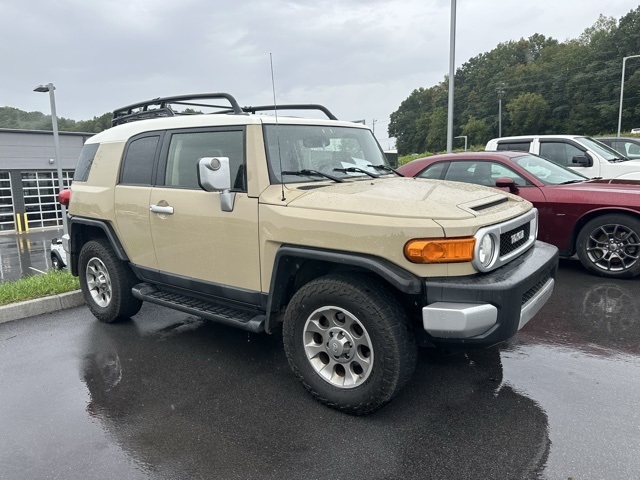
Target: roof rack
column 307, row 106
column 162, row 107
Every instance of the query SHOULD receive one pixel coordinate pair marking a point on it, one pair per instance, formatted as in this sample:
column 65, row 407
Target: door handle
column 158, row 209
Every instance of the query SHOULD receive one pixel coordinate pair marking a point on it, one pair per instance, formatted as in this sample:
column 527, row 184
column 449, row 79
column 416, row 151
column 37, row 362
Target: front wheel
column 106, row 283
column 348, row 341
column 609, row 246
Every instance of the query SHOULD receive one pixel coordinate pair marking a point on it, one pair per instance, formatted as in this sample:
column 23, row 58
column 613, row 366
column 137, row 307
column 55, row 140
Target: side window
column 460, row 172
column 435, row 171
column 85, row 161
column 559, row 152
column 185, row 149
column 481, row 173
column 137, row 166
column 498, row 170
column 519, row 146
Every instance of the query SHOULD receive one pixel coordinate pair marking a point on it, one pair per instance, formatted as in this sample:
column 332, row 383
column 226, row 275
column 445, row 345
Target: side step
column 212, row 311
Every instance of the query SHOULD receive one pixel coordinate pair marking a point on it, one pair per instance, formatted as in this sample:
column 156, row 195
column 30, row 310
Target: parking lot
column 168, row 395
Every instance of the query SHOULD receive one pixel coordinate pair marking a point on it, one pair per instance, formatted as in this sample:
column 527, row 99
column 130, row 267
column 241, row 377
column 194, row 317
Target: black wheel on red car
column 348, row 341
column 609, row 246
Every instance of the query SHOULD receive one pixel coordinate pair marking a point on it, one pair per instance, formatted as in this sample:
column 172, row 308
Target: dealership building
column 29, row 177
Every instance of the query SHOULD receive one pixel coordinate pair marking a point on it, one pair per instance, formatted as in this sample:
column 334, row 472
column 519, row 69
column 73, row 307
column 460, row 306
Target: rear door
column 131, row 198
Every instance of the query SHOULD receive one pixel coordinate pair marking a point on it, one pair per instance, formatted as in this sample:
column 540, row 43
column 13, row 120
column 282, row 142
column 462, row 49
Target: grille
column 507, row 243
column 528, row 295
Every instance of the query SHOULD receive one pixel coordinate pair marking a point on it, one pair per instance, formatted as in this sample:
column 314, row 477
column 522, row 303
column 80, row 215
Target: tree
column 477, row 131
column 527, row 113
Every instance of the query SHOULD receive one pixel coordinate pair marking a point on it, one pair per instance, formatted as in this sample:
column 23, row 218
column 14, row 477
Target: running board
column 234, row 317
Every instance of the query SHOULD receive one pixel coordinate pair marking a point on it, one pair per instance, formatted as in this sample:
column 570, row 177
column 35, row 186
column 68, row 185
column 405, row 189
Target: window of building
column 41, row 197
column 7, row 219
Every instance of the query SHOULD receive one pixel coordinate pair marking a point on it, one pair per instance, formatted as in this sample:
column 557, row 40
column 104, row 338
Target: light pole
column 465, row 141
column 56, row 143
column 624, row 61
column 452, row 61
column 501, row 93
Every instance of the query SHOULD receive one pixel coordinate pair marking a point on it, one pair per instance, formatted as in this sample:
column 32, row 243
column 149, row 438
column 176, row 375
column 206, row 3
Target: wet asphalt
column 26, row 254
column 170, row 396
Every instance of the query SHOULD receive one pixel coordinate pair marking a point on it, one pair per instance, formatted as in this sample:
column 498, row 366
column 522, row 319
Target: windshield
column 601, row 149
column 342, row 152
column 548, row 172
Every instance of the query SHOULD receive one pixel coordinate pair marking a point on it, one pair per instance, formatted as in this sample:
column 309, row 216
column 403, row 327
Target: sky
column 359, row 58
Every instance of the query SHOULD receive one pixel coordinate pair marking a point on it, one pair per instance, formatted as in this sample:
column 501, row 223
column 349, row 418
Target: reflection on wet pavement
column 25, row 254
column 169, row 395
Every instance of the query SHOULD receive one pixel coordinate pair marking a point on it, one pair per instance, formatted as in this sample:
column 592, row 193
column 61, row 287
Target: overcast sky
column 360, row 58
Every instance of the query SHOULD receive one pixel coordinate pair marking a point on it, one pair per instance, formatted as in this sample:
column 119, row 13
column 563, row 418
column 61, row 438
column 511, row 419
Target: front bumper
column 485, row 309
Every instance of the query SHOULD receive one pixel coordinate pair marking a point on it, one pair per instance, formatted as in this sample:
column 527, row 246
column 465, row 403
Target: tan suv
column 261, row 221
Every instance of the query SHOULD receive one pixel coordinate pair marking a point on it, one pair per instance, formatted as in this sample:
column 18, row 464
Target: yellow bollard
column 18, row 223
column 26, row 223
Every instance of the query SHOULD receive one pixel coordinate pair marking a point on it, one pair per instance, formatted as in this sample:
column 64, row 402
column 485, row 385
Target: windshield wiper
column 571, row 181
column 354, row 170
column 312, row 173
column 386, row 168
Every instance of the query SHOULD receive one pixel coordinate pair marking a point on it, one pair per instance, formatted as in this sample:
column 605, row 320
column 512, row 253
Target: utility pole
column 373, row 125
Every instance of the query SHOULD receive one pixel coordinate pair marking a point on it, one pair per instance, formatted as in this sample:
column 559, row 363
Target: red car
column 597, row 219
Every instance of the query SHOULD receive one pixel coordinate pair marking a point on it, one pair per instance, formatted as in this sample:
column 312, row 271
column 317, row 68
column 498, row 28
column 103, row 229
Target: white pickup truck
column 583, row 154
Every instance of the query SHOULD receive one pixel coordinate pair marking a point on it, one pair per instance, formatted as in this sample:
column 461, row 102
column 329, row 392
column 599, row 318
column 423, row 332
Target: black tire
column 106, row 283
column 348, row 341
column 609, row 246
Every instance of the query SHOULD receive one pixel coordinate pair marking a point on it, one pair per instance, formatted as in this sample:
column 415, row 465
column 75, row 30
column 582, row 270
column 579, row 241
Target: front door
column 194, row 240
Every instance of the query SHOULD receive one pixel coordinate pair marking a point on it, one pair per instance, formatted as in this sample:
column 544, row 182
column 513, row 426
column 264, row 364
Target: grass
column 52, row 282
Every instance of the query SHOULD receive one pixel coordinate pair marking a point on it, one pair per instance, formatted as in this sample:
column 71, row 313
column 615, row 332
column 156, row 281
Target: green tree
column 477, row 131
column 527, row 113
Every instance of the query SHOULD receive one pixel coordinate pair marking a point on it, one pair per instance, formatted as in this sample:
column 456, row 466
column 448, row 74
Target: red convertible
column 597, row 219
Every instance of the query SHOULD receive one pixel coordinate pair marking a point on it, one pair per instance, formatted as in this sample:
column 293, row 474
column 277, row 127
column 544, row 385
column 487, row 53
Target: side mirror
column 582, row 161
column 214, row 175
column 506, row 182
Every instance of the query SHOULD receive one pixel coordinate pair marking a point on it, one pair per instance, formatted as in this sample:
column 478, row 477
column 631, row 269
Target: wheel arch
column 83, row 230
column 587, row 217
column 295, row 266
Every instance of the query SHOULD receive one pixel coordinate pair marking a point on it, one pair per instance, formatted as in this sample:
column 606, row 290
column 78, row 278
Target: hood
column 407, row 197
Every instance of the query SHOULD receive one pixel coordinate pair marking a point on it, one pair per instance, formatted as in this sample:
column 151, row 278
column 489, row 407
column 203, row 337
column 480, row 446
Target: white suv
column 584, row 154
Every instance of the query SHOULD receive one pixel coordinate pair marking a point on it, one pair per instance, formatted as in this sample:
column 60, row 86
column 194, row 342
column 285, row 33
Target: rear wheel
column 348, row 341
column 609, row 246
column 106, row 283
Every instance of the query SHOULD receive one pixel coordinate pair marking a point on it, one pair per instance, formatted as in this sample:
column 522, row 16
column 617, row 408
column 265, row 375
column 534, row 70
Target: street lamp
column 452, row 61
column 56, row 142
column 624, row 61
column 465, row 141
column 501, row 93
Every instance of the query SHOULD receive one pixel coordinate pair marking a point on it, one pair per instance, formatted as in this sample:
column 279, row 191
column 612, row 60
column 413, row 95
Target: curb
column 38, row 306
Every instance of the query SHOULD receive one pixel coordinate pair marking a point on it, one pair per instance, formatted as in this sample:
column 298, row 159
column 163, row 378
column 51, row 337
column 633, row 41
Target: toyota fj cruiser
column 265, row 221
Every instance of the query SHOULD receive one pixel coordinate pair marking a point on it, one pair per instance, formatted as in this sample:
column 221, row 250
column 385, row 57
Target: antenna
column 275, row 107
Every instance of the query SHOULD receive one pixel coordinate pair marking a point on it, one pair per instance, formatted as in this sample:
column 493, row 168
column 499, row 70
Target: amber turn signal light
column 440, row 250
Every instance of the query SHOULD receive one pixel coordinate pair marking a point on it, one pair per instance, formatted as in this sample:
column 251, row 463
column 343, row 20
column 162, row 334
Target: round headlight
column 486, row 250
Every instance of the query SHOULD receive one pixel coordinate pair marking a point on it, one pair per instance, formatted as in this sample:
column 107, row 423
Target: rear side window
column 137, row 167
column 518, row 146
column 85, row 161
